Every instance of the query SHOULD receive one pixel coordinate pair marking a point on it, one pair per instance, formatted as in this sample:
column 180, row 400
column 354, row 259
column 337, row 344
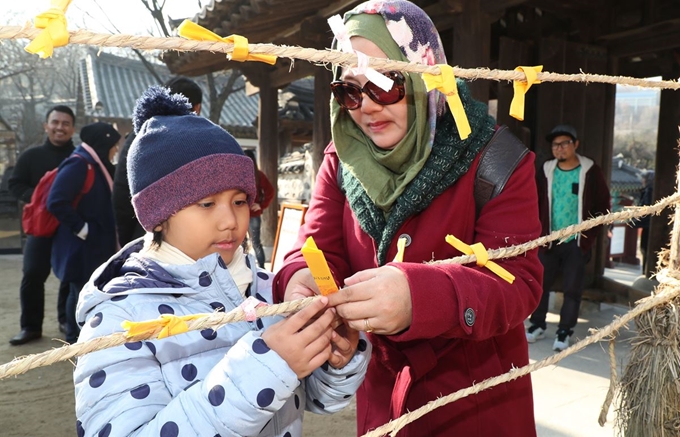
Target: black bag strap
column 500, row 157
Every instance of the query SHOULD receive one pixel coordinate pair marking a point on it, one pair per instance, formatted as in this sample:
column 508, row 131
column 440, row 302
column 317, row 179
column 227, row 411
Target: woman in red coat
column 397, row 168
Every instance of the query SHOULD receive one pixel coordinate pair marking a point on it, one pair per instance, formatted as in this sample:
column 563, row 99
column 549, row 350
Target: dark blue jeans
column 36, row 269
column 254, row 231
column 73, row 330
column 571, row 261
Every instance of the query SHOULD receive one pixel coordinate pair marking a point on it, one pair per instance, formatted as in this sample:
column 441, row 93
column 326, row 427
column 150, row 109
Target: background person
column 86, row 236
column 646, row 198
column 126, row 222
column 571, row 188
column 406, row 173
column 31, row 166
column 265, row 195
column 192, row 189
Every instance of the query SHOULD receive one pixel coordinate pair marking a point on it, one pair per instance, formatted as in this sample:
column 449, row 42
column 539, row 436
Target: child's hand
column 301, row 285
column 303, row 345
column 344, row 341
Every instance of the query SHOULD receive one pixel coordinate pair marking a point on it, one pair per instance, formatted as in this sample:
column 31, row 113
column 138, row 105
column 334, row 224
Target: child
column 192, row 188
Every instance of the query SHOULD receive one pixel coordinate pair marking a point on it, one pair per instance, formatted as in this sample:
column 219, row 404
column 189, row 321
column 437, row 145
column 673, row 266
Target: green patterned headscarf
column 383, row 173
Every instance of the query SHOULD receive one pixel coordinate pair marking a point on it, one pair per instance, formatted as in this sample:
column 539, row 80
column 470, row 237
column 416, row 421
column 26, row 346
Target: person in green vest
column 571, row 188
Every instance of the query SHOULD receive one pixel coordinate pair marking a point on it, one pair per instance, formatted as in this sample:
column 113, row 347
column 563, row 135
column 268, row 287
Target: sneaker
column 562, row 340
column 535, row 333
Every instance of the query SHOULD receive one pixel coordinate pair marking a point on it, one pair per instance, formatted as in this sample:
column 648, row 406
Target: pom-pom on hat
column 179, row 158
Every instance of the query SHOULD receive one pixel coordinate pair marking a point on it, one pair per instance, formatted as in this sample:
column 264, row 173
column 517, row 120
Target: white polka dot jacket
column 201, row 383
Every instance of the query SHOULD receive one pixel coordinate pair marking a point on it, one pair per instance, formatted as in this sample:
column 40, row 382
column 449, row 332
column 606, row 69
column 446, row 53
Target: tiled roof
column 116, row 82
column 625, row 178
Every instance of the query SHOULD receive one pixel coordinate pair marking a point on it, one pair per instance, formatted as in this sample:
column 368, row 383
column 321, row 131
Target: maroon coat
column 467, row 322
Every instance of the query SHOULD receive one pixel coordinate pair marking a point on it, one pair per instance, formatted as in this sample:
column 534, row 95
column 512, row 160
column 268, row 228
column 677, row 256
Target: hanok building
column 636, row 38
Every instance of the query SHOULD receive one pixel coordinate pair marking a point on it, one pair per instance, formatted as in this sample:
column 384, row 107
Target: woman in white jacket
column 192, row 187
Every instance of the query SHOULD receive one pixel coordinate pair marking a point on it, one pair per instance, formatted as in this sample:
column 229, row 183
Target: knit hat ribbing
column 179, row 158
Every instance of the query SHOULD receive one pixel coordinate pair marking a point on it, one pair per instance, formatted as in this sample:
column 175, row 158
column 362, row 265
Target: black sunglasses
column 349, row 95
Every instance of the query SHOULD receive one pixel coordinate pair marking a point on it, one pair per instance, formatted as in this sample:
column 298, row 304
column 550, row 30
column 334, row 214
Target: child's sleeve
column 329, row 390
column 122, row 391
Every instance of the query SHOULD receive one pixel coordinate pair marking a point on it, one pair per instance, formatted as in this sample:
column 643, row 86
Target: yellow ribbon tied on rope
column 482, row 256
column 446, row 83
column 520, row 89
column 190, row 30
column 169, row 325
column 54, row 34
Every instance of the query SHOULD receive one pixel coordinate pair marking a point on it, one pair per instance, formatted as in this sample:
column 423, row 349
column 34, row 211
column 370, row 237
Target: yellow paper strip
column 521, row 88
column 401, row 248
column 190, row 30
column 482, row 256
column 446, row 83
column 317, row 264
column 54, row 34
column 168, row 323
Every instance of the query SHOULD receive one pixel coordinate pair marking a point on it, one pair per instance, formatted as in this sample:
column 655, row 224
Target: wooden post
column 268, row 134
column 471, row 45
column 322, row 117
column 664, row 180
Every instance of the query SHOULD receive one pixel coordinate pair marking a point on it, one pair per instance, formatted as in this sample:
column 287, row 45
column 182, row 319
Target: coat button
column 407, row 237
column 469, row 317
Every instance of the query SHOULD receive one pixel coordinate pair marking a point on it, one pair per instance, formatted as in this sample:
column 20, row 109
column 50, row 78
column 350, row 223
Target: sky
column 128, row 16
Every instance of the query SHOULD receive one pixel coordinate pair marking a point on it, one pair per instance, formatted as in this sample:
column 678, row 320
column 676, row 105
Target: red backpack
column 36, row 219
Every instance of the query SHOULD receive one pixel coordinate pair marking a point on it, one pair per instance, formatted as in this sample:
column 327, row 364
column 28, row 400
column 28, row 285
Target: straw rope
column 85, row 37
column 613, row 381
column 668, row 289
column 512, row 251
column 215, row 320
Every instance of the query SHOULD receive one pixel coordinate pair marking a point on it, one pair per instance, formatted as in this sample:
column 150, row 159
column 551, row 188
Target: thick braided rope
column 668, row 289
column 512, row 251
column 214, row 321
column 613, row 381
column 86, row 37
column 24, row 364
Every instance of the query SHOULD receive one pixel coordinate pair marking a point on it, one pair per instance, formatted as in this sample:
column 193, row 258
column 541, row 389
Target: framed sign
column 291, row 217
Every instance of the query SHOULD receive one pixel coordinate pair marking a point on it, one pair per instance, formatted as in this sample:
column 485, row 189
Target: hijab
column 404, row 33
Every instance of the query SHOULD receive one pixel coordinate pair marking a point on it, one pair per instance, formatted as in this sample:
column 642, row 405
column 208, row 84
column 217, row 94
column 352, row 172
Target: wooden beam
column 495, row 6
column 471, row 45
column 330, row 10
column 268, row 151
column 322, row 116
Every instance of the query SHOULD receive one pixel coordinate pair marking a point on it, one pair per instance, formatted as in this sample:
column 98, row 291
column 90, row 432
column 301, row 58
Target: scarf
column 169, row 254
column 451, row 158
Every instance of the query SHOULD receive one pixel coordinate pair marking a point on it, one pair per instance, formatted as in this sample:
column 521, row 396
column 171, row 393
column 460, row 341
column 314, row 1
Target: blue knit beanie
column 179, row 158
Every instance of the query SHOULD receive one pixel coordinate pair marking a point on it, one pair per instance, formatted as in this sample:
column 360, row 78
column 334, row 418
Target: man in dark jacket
column 571, row 188
column 126, row 222
column 31, row 166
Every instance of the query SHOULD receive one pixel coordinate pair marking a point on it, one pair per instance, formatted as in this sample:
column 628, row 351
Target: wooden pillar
column 664, row 176
column 322, row 117
column 511, row 54
column 268, row 134
column 471, row 45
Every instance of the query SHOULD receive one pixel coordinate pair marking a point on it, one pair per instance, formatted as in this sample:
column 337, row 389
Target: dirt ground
column 40, row 403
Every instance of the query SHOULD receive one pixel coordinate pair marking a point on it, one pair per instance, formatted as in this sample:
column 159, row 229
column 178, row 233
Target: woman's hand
column 301, row 285
column 304, row 343
column 377, row 300
column 255, row 207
